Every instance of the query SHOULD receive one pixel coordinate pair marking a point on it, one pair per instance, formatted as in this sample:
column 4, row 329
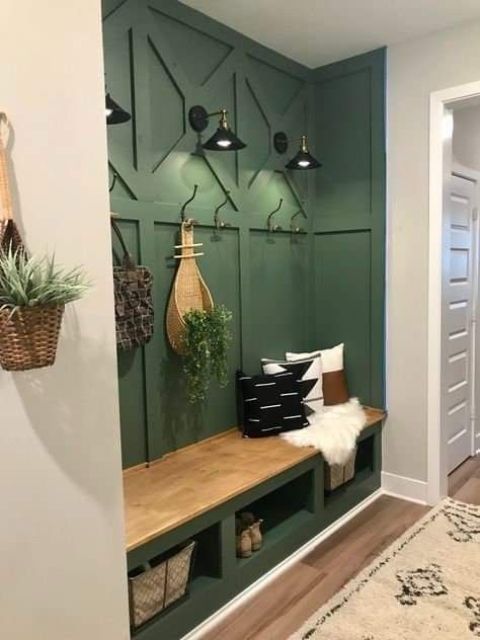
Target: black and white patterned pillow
column 311, row 369
column 271, row 404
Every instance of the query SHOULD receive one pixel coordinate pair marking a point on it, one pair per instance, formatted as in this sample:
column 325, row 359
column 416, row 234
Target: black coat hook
column 185, row 204
column 218, row 223
column 270, row 225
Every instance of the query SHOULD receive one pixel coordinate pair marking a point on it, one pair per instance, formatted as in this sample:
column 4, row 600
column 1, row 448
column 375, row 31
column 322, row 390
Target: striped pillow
column 272, row 404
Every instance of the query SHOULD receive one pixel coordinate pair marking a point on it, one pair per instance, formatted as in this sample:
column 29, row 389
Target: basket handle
column 6, row 209
column 127, row 256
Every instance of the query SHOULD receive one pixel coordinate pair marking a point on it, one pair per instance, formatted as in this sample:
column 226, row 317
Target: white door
column 458, row 321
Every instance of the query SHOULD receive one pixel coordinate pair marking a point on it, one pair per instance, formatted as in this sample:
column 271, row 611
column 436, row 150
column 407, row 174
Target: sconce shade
column 224, row 139
column 303, row 159
column 114, row 112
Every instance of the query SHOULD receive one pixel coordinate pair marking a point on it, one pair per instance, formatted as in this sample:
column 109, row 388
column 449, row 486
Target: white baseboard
column 262, row 582
column 405, row 488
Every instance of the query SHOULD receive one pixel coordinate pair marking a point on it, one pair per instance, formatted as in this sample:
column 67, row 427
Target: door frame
column 440, row 101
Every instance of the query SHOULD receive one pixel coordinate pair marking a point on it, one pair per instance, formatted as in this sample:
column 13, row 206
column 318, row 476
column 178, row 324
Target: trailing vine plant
column 206, row 342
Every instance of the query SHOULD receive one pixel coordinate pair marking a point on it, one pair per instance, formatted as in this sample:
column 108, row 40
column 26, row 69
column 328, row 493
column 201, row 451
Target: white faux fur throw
column 334, row 432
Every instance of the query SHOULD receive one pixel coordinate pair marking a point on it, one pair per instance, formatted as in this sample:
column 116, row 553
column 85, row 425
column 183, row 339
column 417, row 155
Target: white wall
column 415, row 69
column 466, row 135
column 61, row 534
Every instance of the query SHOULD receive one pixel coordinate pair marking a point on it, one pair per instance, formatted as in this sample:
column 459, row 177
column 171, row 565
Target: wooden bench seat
column 188, row 482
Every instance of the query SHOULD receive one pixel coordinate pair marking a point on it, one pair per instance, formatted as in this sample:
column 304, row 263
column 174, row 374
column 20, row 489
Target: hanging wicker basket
column 189, row 291
column 29, row 337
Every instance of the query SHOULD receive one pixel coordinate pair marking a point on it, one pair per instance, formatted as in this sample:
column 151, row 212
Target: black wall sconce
column 114, row 112
column 223, row 139
column 302, row 160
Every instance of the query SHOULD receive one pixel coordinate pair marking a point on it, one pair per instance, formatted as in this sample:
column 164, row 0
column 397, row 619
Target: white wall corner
column 405, row 488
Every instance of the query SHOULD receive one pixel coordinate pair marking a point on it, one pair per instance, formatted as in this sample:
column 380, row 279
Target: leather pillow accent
column 272, row 404
column 335, row 389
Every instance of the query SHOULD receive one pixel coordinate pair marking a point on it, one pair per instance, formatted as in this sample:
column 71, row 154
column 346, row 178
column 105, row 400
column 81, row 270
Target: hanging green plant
column 206, row 341
column 27, row 282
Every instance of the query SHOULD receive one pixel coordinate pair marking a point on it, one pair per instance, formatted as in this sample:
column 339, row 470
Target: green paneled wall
column 286, row 291
column 349, row 223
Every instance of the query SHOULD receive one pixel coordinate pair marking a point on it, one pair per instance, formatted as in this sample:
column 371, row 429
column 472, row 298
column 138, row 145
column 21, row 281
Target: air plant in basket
column 33, row 294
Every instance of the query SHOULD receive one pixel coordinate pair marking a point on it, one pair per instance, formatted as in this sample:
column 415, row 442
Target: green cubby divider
column 228, row 546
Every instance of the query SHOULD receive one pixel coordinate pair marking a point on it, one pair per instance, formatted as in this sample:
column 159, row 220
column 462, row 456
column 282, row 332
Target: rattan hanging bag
column 28, row 335
column 189, row 291
column 134, row 312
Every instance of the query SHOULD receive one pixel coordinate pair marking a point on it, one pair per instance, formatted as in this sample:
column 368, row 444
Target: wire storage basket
column 159, row 584
column 189, row 291
column 29, row 337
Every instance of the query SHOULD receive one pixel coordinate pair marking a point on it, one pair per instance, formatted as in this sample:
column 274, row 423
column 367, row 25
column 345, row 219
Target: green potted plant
column 206, row 341
column 33, row 295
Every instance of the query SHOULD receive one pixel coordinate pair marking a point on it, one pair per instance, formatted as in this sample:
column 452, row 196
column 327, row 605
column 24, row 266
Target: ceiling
column 315, row 32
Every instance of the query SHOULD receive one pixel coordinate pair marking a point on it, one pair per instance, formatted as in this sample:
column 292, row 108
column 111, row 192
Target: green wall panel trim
column 275, row 284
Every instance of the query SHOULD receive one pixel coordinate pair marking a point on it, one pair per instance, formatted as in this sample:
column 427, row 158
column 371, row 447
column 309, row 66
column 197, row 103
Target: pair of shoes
column 248, row 534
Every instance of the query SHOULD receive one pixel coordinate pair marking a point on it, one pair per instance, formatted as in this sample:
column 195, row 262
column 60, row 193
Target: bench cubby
column 196, row 492
column 283, row 510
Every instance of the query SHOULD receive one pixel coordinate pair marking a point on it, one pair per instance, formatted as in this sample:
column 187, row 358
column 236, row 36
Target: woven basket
column 29, row 337
column 162, row 582
column 337, row 475
column 189, row 291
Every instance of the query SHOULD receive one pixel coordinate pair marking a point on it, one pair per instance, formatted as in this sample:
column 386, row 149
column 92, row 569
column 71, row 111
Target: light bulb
column 224, row 143
column 304, row 163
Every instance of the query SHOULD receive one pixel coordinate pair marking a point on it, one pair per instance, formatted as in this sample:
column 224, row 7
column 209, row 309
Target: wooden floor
column 284, row 605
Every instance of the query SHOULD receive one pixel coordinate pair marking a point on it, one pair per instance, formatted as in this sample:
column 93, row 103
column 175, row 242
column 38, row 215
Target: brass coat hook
column 293, row 226
column 190, row 221
column 271, row 227
column 219, row 224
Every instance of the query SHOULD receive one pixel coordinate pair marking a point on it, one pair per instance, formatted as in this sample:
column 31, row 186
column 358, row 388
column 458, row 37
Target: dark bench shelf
column 195, row 493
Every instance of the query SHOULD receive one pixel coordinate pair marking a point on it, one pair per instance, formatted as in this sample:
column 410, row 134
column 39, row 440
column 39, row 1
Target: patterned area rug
column 426, row 586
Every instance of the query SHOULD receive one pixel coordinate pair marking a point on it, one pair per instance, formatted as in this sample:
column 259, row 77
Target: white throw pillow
column 332, row 359
column 334, row 383
column 314, row 399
